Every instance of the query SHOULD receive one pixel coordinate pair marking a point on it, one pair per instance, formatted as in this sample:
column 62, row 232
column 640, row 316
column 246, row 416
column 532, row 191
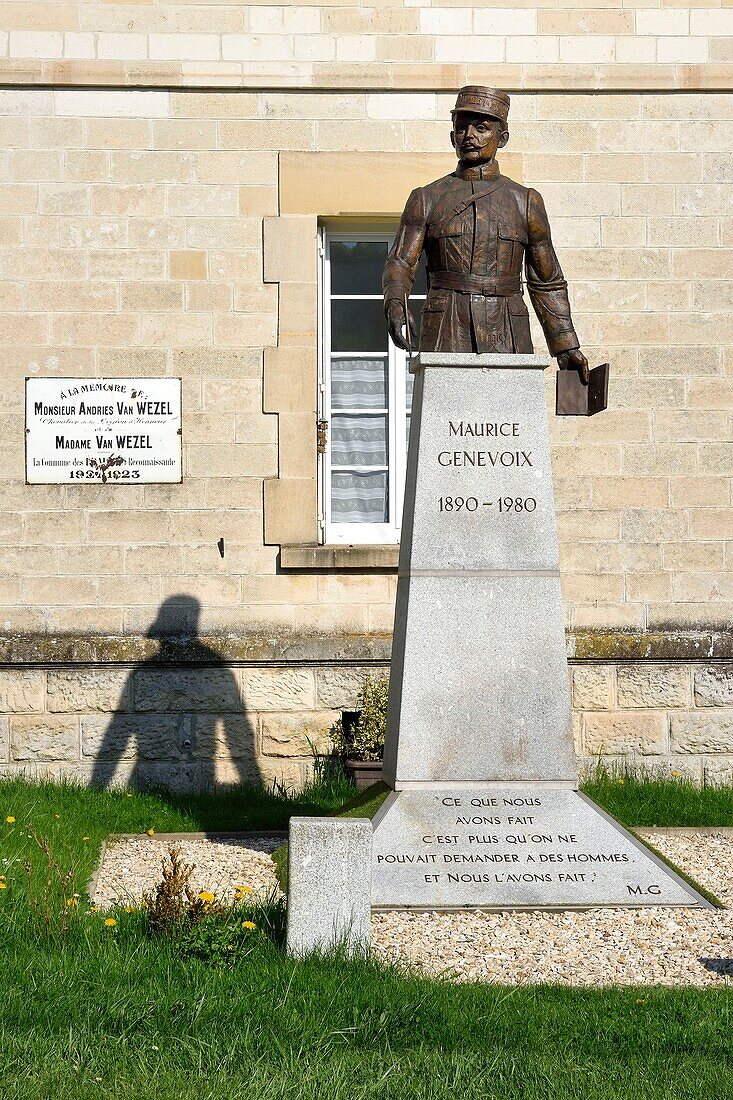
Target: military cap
column 482, row 101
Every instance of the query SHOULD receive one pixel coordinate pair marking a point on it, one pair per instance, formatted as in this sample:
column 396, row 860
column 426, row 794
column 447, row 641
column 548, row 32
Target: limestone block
column 338, row 183
column 681, row 767
column 338, row 688
column 650, row 685
column 77, row 690
column 713, row 686
column 45, row 737
column 290, row 510
column 290, row 249
column 290, row 376
column 118, row 737
column 289, row 774
column 592, row 688
column 608, row 734
column 298, row 314
column 296, row 734
column 21, row 692
column 329, row 885
column 196, row 689
column 278, row 689
column 718, row 771
column 708, row 732
column 225, row 737
column 4, row 738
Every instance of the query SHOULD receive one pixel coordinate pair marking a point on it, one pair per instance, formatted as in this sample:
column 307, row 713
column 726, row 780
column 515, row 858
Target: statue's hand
column 396, row 324
column 574, row 360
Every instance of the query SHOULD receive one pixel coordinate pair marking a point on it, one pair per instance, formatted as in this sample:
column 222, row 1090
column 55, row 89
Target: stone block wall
column 182, row 728
column 189, row 728
column 662, row 717
column 387, row 43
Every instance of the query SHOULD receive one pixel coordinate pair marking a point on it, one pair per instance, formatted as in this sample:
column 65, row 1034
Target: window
column 365, row 394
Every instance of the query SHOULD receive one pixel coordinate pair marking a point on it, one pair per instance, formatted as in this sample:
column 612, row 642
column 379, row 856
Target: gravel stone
column 598, row 947
column 132, row 865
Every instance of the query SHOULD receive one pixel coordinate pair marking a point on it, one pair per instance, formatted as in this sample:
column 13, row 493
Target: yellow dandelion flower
column 57, row 816
column 243, row 889
column 207, row 896
column 676, row 774
column 151, row 832
column 129, row 908
column 620, row 782
column 93, row 908
column 86, row 838
column 248, row 924
column 3, row 886
column 110, row 922
column 71, row 902
column 10, row 820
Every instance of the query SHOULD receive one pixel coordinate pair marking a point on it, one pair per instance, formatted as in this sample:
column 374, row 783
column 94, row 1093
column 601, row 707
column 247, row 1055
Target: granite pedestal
column 479, row 750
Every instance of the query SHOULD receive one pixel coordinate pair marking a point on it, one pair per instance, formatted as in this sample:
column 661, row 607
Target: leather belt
column 474, row 284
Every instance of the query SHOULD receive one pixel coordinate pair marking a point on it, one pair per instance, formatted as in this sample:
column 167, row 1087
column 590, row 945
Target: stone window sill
column 322, row 558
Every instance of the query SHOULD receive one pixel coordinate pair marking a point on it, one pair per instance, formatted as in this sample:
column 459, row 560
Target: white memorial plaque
column 113, row 431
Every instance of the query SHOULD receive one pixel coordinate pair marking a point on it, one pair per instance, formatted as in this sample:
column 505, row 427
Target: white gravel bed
column 593, row 948
column 131, row 865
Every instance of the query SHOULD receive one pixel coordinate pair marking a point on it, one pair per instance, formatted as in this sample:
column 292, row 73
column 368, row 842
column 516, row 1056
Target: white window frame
column 330, row 532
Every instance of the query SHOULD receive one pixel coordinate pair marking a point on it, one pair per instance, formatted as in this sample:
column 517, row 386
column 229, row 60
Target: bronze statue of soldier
column 477, row 229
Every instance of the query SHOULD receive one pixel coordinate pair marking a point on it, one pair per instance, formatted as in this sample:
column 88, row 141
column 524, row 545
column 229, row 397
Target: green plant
column 367, row 740
column 51, row 889
column 174, row 908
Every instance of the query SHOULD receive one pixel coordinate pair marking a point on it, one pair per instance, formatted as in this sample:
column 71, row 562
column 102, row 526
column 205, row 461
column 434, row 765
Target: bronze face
column 476, row 138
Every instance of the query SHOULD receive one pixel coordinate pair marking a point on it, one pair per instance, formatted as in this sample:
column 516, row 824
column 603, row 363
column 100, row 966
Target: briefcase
column 572, row 398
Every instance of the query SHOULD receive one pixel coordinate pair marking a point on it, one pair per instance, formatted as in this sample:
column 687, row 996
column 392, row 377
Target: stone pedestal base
column 513, row 847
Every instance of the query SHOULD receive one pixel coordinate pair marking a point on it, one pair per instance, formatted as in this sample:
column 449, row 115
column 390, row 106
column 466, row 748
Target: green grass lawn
column 104, row 1012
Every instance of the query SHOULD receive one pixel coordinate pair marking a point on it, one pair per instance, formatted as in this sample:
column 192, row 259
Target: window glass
column 359, row 440
column 359, row 497
column 358, row 325
column 359, row 383
column 356, row 266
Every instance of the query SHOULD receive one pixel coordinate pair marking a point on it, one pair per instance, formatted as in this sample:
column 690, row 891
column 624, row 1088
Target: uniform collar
column 477, row 172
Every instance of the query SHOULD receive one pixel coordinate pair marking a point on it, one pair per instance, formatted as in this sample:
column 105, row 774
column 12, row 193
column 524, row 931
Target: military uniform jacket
column 478, row 230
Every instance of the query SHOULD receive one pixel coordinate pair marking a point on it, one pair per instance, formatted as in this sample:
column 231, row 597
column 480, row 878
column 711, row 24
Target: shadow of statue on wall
column 181, row 722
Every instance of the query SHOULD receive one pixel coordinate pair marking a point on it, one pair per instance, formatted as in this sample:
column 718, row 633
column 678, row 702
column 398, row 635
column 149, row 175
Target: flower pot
column 364, row 772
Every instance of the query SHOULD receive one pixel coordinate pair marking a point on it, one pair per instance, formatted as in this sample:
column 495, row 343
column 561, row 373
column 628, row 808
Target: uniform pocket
column 510, row 248
column 431, row 320
column 435, row 303
column 512, row 232
column 519, row 324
